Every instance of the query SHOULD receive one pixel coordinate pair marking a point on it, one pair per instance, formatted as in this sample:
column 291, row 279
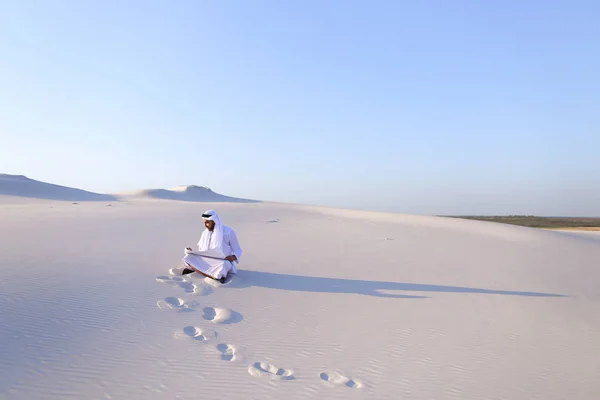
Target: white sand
column 181, row 193
column 19, row 189
column 328, row 304
column 590, row 235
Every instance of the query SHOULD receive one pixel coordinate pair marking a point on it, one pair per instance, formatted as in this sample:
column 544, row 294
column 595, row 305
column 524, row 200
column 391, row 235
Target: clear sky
column 428, row 107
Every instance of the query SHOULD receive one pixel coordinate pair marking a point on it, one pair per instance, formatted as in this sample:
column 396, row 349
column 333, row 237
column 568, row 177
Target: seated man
column 219, row 239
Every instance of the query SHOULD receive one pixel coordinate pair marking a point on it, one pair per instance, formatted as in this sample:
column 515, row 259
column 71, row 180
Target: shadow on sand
column 370, row 288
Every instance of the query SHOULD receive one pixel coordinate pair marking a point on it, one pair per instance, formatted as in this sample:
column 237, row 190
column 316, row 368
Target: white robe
column 229, row 243
column 214, row 267
column 213, row 247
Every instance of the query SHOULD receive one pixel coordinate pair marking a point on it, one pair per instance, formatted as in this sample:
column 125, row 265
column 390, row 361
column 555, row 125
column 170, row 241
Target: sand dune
column 16, row 187
column 191, row 193
column 584, row 234
column 21, row 186
column 328, row 304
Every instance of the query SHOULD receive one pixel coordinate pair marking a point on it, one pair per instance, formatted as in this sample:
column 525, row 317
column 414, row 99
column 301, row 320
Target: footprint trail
column 222, row 315
column 265, row 369
column 199, row 334
column 227, row 351
column 175, row 303
column 340, row 380
column 188, row 287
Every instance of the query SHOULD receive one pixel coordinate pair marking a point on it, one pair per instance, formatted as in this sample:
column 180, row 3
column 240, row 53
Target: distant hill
column 190, row 193
column 533, row 221
column 21, row 186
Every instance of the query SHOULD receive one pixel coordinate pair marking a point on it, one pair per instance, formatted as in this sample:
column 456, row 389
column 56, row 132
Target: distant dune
column 190, row 193
column 21, row 186
column 17, row 187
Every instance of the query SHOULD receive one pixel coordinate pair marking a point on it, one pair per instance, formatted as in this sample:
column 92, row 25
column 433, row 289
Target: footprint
column 169, row 279
column 214, row 284
column 176, row 271
column 227, row 351
column 199, row 334
column 260, row 369
column 338, row 380
column 221, row 315
column 188, row 287
column 175, row 303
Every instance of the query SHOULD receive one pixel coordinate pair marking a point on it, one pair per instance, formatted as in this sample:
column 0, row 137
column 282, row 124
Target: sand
column 329, row 304
column 585, row 229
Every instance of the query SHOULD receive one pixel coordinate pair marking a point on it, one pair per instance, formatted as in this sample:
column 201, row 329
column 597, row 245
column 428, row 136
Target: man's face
column 210, row 225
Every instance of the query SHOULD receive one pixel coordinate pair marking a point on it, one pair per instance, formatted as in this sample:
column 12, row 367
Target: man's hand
column 231, row 258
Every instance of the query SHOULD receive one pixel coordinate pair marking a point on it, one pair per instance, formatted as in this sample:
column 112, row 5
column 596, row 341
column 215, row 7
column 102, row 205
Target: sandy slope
column 328, row 304
column 15, row 188
column 191, row 193
column 590, row 235
column 19, row 189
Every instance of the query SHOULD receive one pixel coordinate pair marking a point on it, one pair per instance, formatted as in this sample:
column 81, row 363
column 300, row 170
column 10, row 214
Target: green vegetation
column 538, row 222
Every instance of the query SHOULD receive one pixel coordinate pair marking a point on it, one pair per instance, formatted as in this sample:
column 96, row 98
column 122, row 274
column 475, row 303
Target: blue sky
column 428, row 107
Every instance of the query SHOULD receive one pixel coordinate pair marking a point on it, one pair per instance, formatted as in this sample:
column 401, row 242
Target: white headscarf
column 211, row 240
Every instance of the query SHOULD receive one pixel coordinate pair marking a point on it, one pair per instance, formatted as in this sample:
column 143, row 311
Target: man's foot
column 187, row 271
column 222, row 280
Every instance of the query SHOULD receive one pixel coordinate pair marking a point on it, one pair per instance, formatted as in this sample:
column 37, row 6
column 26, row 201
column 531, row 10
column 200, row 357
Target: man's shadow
column 300, row 283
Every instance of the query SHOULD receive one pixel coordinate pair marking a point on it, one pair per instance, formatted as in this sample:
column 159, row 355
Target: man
column 218, row 239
